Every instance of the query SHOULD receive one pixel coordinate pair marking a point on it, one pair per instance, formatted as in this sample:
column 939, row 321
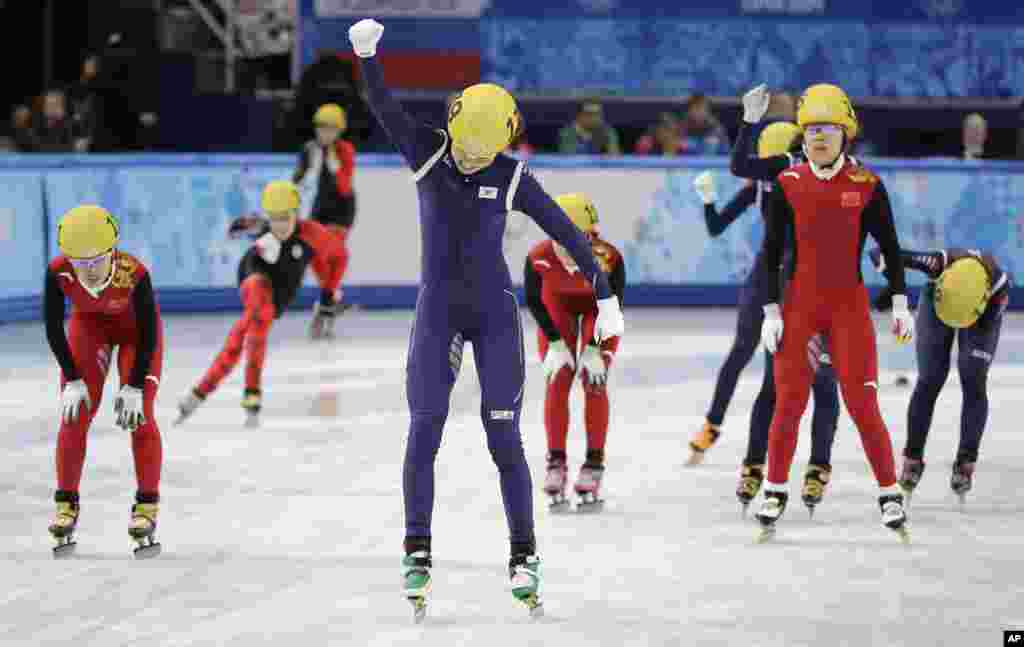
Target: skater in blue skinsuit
column 466, row 188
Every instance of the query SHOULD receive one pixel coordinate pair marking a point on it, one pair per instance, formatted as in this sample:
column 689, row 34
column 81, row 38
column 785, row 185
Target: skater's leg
column 498, row 351
column 748, row 335
column 761, row 416
column 852, row 334
column 933, row 345
column 255, row 293
column 826, row 403
column 147, row 448
column 793, row 377
column 596, row 404
column 91, row 349
column 260, row 311
column 977, row 348
column 556, row 394
column 435, row 358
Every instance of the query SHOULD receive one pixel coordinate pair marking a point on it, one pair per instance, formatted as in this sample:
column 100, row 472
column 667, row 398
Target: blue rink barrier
column 174, row 211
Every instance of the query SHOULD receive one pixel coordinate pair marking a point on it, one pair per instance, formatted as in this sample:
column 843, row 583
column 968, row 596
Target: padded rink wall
column 174, row 212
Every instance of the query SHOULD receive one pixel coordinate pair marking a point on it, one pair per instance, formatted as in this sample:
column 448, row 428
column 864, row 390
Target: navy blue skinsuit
column 976, row 348
column 745, row 164
column 466, row 295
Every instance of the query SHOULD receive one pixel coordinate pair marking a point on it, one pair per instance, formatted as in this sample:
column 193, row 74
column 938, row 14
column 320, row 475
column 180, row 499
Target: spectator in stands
column 702, row 132
column 82, row 100
column 53, row 133
column 975, row 135
column 663, row 139
column 21, row 129
column 588, row 134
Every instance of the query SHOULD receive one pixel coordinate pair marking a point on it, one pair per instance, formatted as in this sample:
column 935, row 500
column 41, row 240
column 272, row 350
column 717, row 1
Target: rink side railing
column 174, row 211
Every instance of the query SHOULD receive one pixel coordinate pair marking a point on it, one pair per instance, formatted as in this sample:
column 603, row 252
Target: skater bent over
column 830, row 206
column 563, row 303
column 965, row 298
column 269, row 276
column 466, row 188
column 112, row 305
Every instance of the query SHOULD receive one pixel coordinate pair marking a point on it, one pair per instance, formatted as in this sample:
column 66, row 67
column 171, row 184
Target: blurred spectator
column 975, row 135
column 781, row 107
column 702, row 132
column 663, row 139
column 21, row 129
column 330, row 79
column 82, row 100
column 588, row 134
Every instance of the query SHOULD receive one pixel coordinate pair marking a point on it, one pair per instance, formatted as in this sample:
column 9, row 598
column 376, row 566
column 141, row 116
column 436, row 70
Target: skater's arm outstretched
column 145, row 319
column 532, row 200
column 718, row 221
column 53, row 314
column 533, row 285
column 878, row 222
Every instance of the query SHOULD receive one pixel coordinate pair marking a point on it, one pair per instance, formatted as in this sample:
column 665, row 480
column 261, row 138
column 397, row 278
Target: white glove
column 75, row 394
column 595, row 372
column 558, row 355
column 755, row 104
column 771, row 329
column 609, row 319
column 364, row 36
column 268, row 247
column 128, row 407
column 704, row 183
column 902, row 320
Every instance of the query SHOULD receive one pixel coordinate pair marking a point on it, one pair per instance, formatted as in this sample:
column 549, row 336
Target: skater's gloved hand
column 324, row 311
column 609, row 319
column 558, row 355
column 877, row 260
column 704, row 184
column 771, row 329
column 755, row 104
column 128, row 407
column 902, row 320
column 365, row 35
column 883, row 302
column 74, row 396
column 595, row 371
column 268, row 247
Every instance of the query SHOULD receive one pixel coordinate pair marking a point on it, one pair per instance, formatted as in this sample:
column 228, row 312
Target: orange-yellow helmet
column 87, row 231
column 827, row 104
column 483, row 119
column 580, row 210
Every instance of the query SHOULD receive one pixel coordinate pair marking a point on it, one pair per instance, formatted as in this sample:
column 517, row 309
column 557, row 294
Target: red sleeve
column 347, row 158
column 327, row 253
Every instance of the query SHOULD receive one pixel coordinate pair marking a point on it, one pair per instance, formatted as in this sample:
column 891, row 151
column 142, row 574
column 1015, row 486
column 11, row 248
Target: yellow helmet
column 87, row 231
column 330, row 115
column 580, row 210
column 827, row 104
column 962, row 292
column 777, row 138
column 280, row 196
column 483, row 120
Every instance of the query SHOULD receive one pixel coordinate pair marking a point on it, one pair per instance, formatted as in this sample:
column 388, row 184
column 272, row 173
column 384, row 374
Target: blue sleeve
column 744, row 161
column 532, row 200
column 416, row 142
column 718, row 221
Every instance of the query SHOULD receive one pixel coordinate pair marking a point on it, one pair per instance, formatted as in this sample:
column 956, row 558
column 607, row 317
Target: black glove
column 883, row 302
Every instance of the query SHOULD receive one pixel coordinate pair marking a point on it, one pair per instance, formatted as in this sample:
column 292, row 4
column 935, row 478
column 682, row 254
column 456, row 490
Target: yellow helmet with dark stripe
column 483, row 120
column 87, row 231
column 827, row 104
column 330, row 115
column 962, row 292
column 280, row 196
column 777, row 139
column 580, row 210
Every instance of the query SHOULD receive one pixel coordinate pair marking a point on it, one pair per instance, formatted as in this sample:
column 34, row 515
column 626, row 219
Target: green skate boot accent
column 524, row 573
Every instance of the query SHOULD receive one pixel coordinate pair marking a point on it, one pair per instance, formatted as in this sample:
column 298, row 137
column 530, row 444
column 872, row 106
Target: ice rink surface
column 291, row 534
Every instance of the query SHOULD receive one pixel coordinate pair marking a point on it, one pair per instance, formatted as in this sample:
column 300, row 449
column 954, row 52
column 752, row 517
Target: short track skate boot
column 252, row 402
column 962, row 479
column 416, row 581
column 894, row 515
column 554, row 484
column 816, row 479
column 64, row 523
column 702, row 442
column 588, row 488
column 751, row 478
column 188, row 405
column 910, row 476
column 770, row 513
column 142, row 528
column 524, row 576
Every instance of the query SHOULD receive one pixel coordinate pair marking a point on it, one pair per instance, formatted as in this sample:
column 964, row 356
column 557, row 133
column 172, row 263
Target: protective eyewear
column 89, row 264
column 822, row 129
